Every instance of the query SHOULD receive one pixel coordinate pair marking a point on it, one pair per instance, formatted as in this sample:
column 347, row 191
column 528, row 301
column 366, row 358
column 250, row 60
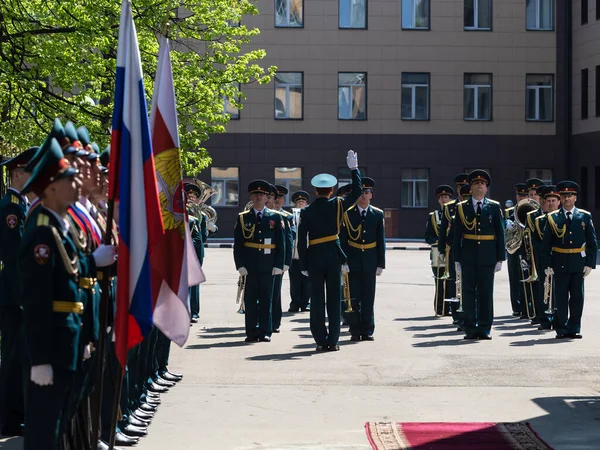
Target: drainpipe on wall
column 568, row 70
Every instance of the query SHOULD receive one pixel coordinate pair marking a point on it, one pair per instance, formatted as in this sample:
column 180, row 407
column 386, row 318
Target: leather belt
column 87, row 283
column 322, row 240
column 258, row 246
column 568, row 250
column 67, row 307
column 363, row 247
column 480, row 237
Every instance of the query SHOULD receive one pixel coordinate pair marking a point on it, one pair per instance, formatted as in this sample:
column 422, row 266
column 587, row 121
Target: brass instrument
column 447, row 264
column 530, row 257
column 458, row 298
column 296, row 218
column 199, row 207
column 548, row 293
column 514, row 237
column 239, row 299
column 346, row 291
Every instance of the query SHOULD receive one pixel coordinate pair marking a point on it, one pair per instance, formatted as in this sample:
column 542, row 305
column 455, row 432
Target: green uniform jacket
column 449, row 212
column 49, row 264
column 290, row 235
column 248, row 231
column 370, row 232
column 581, row 235
column 491, row 223
column 199, row 235
column 12, row 224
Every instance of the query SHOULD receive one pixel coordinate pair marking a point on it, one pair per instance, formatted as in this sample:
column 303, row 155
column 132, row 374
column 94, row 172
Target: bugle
column 548, row 294
column 346, row 292
column 239, row 300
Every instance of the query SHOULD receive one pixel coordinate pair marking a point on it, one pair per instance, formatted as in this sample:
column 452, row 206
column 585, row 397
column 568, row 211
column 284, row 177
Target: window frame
column 537, row 16
column 584, row 12
column 224, row 180
column 288, row 16
column 287, row 96
column 529, row 174
column 414, row 28
column 414, row 182
column 476, row 86
column 551, row 120
column 597, row 94
column 366, row 27
column 413, row 98
column 350, row 85
column 226, row 99
column 286, row 182
column 585, row 94
column 476, row 16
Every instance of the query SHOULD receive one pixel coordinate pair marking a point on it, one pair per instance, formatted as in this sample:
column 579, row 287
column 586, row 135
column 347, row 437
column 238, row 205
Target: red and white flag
column 175, row 266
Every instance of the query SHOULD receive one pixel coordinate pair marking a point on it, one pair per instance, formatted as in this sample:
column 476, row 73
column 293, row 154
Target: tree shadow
column 218, row 345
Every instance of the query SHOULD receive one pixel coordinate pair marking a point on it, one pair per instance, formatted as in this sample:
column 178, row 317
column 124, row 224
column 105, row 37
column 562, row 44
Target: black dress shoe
column 535, row 321
column 104, row 446
column 193, row 320
column 167, row 376
column 145, row 421
column 470, row 337
column 141, row 414
column 484, row 337
column 368, row 337
column 123, row 439
column 251, row 339
column 321, row 348
column 575, row 336
column 516, row 314
column 174, row 374
column 562, row 336
column 13, row 431
column 157, row 388
column 544, row 327
column 148, row 408
column 455, row 322
column 307, row 308
column 152, row 398
column 459, row 329
column 265, row 339
column 333, row 348
column 277, row 330
column 294, row 310
column 164, row 383
column 355, row 338
column 131, row 430
column 137, row 422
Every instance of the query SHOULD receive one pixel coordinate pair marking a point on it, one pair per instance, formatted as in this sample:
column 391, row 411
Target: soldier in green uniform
column 444, row 194
column 259, row 252
column 569, row 254
column 13, row 208
column 343, row 192
column 363, row 241
column 321, row 256
column 199, row 234
column 299, row 284
column 514, row 268
column 479, row 247
column 290, row 237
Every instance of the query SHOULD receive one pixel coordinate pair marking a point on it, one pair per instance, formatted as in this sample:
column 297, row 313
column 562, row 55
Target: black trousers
column 514, row 277
column 12, row 406
column 299, row 287
column 324, row 275
column 440, row 307
column 195, row 300
column 257, row 300
column 568, row 289
column 362, row 292
column 478, row 298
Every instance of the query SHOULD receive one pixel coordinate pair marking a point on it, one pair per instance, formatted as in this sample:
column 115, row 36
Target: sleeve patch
column 41, row 253
column 12, row 221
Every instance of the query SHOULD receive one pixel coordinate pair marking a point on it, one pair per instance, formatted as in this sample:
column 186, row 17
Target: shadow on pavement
column 452, row 332
column 417, row 318
column 301, row 329
column 431, row 327
column 534, row 332
column 222, row 330
column 286, row 356
column 530, row 342
column 219, row 336
column 218, row 345
column 515, row 327
column 445, row 343
column 307, row 320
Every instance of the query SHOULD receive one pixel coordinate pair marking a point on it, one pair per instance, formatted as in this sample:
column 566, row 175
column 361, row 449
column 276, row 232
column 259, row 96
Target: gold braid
column 248, row 233
column 470, row 226
column 357, row 230
column 559, row 233
column 70, row 265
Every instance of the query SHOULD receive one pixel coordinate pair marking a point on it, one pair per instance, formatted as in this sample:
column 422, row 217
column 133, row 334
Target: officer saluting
column 259, row 251
column 479, row 247
column 569, row 255
column 363, row 240
column 299, row 285
column 321, row 256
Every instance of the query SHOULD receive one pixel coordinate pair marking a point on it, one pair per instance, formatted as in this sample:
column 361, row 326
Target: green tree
column 58, row 59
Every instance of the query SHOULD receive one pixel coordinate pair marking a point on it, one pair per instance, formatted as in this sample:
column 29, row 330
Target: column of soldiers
column 54, row 271
column 550, row 245
column 316, row 243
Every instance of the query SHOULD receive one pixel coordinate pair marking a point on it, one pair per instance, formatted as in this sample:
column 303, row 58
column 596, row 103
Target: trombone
column 548, row 293
column 346, row 292
column 239, row 299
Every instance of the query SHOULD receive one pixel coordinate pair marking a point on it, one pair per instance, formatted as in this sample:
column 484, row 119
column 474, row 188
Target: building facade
column 422, row 90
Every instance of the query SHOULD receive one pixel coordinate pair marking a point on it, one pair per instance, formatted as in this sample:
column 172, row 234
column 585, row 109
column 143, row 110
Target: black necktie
column 363, row 214
column 258, row 216
column 569, row 220
column 478, row 208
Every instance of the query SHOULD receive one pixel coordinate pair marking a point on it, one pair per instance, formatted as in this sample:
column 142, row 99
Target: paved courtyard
column 283, row 395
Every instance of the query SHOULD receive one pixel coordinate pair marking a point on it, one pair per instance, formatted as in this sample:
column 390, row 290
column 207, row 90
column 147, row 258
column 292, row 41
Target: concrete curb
column 210, row 245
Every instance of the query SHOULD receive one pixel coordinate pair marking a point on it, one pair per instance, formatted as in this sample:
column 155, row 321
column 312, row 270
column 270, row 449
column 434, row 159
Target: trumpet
column 239, row 299
column 548, row 288
column 446, row 261
column 529, row 256
column 346, row 291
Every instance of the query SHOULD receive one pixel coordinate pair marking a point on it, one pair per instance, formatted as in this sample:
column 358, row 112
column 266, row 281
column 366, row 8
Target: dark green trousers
column 299, row 287
column 362, row 292
column 440, row 307
column 568, row 288
column 514, row 277
column 478, row 298
column 257, row 300
column 195, row 301
column 323, row 275
column 12, row 407
column 276, row 306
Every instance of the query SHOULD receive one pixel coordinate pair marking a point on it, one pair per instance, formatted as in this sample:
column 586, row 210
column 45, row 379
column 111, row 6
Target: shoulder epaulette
column 508, row 210
column 376, row 209
column 353, row 206
column 463, row 202
column 451, row 202
column 285, row 213
column 584, row 211
column 14, row 199
column 432, row 213
column 493, row 201
column 243, row 212
column 532, row 212
column 540, row 217
column 43, row 220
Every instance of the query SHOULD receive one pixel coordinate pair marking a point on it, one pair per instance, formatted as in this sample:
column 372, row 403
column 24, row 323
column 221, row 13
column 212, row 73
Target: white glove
column 586, row 271
column 524, row 265
column 457, row 267
column 442, row 259
column 549, row 271
column 42, row 375
column 352, row 160
column 104, row 255
column 242, row 271
column 379, row 271
column 211, row 227
column 304, row 272
column 87, row 352
column 498, row 267
column 345, row 268
column 277, row 271
column 286, row 268
column 510, row 225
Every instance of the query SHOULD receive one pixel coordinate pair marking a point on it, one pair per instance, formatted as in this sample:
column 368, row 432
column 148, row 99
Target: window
column 478, row 14
column 353, row 13
column 539, row 102
column 543, row 174
column 597, row 9
column 288, row 95
column 584, row 12
column 289, row 13
column 230, row 108
column 415, row 14
column 291, row 178
column 225, row 180
column 540, row 15
column 415, row 188
column 344, row 175
column 415, row 96
column 352, row 93
column 584, row 93
column 597, row 91
column 478, row 96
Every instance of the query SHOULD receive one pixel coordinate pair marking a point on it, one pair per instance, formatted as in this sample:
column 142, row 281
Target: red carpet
column 453, row 436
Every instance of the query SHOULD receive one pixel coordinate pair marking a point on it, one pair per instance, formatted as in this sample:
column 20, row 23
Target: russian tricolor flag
column 133, row 185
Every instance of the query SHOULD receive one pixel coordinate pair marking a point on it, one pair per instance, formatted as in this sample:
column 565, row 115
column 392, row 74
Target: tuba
column 199, row 207
column 514, row 237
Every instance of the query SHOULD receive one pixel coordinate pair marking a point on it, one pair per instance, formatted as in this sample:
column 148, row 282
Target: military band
column 299, row 284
